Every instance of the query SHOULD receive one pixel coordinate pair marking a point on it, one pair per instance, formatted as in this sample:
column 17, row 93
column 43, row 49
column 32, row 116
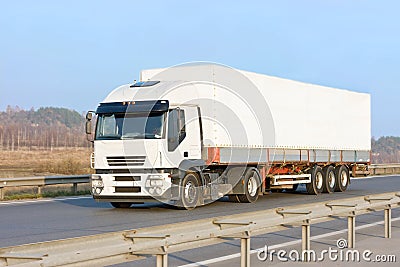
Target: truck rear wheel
column 342, row 177
column 251, row 187
column 189, row 191
column 317, row 181
column 329, row 183
column 121, row 205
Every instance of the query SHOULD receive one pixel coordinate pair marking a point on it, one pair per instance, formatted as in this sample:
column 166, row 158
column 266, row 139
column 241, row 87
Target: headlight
column 155, row 176
column 155, row 191
column 156, row 182
column 97, row 184
column 96, row 177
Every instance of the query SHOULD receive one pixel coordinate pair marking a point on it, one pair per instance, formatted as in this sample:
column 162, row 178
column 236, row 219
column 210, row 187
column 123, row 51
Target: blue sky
column 72, row 53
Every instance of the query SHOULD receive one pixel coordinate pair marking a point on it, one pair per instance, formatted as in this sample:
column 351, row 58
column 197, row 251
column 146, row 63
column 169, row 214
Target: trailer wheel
column 342, row 177
column 317, row 181
column 251, row 186
column 121, row 205
column 330, row 180
column 189, row 191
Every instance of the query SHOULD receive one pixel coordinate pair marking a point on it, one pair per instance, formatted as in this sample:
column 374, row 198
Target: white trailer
column 192, row 134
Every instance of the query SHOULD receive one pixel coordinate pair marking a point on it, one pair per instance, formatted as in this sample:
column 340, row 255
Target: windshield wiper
column 109, row 137
column 141, row 136
column 133, row 136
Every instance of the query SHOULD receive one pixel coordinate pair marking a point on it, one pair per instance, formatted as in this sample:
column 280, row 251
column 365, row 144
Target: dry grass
column 31, row 192
column 68, row 165
column 43, row 162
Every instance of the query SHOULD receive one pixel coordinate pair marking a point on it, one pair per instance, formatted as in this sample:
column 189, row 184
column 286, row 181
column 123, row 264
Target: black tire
column 329, row 179
column 233, row 198
column 189, row 191
column 251, row 186
column 121, row 205
column 342, row 178
column 316, row 185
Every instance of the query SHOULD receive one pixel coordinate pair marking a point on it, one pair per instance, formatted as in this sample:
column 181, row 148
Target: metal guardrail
column 130, row 245
column 41, row 181
column 381, row 169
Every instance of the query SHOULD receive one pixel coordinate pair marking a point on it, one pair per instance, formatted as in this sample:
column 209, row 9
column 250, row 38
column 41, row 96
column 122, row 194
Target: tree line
column 386, row 149
column 45, row 128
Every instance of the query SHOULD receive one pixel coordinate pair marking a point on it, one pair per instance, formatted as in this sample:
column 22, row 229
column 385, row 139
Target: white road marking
column 373, row 177
column 290, row 243
column 35, row 201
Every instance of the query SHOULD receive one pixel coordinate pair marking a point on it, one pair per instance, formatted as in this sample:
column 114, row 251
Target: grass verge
column 62, row 193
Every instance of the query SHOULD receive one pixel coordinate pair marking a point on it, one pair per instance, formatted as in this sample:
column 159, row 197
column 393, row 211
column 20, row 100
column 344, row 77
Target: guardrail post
column 351, row 234
column 39, row 190
column 162, row 260
column 75, row 188
column 245, row 252
column 305, row 239
column 388, row 222
column 1, row 193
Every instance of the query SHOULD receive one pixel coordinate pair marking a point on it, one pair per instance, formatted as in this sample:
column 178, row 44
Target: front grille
column 126, row 161
column 124, row 189
column 126, row 178
column 128, row 171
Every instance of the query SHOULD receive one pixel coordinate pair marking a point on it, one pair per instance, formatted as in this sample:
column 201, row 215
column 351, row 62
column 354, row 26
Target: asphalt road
column 24, row 222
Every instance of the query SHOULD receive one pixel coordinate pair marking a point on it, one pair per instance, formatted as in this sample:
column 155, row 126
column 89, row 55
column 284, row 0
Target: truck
column 192, row 134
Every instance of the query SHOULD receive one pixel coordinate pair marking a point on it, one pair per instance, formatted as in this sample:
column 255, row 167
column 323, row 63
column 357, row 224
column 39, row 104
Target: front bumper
column 131, row 187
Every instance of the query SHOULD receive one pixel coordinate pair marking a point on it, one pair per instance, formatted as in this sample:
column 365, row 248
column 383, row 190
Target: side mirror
column 88, row 127
column 89, row 115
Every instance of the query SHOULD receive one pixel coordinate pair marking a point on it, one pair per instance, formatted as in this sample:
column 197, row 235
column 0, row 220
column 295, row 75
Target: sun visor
column 133, row 107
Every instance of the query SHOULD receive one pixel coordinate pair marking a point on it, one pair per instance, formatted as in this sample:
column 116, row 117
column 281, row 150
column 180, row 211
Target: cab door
column 183, row 136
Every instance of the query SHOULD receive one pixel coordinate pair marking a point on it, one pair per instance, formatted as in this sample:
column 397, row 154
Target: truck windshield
column 130, row 126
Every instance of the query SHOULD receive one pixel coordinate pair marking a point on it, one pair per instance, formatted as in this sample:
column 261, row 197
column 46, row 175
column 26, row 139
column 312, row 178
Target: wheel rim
column 343, row 178
column 190, row 192
column 331, row 180
column 252, row 186
column 318, row 180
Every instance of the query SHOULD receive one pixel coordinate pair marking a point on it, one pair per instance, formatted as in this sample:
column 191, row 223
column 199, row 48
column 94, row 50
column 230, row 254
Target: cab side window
column 176, row 128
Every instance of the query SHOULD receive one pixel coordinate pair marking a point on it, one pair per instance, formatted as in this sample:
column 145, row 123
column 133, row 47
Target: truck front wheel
column 189, row 191
column 251, row 187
